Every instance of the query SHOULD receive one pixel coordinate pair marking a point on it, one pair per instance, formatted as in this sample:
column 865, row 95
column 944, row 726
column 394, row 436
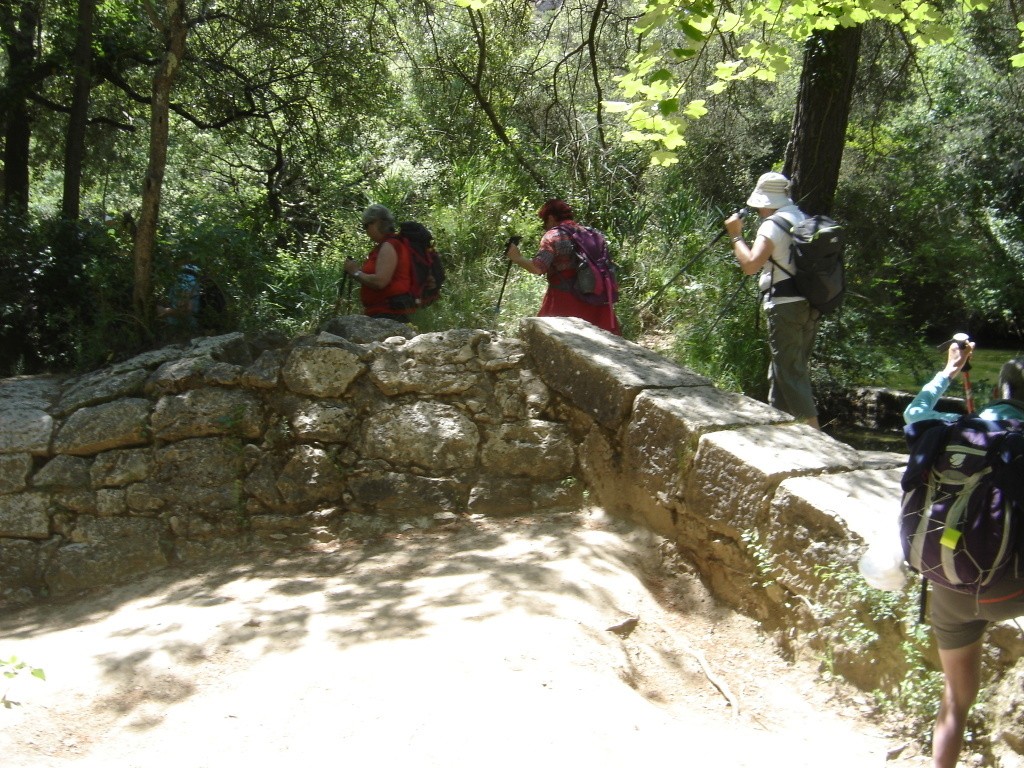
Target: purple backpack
column 962, row 496
column 595, row 271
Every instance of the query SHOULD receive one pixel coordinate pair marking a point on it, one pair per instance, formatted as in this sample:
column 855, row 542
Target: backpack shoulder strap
column 925, row 439
column 781, row 222
column 786, row 226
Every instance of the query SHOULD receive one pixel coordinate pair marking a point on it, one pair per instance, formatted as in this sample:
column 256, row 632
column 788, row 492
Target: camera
column 741, row 212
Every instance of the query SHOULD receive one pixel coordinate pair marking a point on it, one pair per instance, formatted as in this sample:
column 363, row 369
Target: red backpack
column 428, row 273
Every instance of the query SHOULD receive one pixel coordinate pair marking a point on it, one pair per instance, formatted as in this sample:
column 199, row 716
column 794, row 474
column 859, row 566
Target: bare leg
column 962, row 670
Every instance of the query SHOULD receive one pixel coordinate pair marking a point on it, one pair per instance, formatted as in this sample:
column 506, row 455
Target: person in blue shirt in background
column 181, row 311
column 959, row 620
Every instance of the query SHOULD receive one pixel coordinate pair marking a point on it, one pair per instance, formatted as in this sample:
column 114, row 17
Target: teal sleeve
column 923, row 406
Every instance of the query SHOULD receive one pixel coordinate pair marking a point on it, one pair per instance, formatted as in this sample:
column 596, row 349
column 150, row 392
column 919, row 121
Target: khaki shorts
column 960, row 619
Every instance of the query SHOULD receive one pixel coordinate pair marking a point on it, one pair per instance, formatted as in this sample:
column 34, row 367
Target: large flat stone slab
column 598, row 372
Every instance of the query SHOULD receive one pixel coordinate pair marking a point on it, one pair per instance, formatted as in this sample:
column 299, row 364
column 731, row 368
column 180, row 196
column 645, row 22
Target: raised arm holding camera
column 792, row 322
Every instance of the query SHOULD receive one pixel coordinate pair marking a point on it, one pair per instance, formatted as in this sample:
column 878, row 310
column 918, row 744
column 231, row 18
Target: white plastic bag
column 882, row 565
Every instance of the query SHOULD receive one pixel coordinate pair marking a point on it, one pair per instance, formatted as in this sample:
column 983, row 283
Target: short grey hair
column 378, row 212
column 1011, row 379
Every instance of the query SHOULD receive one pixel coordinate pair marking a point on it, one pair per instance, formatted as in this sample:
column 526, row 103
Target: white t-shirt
column 770, row 273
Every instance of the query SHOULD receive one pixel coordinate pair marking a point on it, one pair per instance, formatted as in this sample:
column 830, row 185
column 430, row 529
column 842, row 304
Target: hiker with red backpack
column 962, row 610
column 581, row 277
column 385, row 278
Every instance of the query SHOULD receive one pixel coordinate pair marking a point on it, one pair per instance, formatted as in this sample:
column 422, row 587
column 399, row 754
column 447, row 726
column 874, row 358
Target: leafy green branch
column 11, row 668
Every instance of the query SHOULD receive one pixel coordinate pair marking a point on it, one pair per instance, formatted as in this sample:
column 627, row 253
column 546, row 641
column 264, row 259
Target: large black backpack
column 817, row 251
column 963, row 490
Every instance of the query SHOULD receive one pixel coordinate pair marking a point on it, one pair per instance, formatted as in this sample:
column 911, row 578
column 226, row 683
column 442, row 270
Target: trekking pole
column 961, row 340
column 742, row 213
column 727, row 307
column 344, row 292
column 514, row 240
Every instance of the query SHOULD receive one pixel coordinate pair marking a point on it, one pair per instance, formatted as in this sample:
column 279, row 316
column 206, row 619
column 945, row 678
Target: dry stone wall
column 236, row 443
column 773, row 514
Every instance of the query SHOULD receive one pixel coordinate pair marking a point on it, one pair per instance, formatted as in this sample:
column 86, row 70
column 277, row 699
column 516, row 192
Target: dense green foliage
column 287, row 118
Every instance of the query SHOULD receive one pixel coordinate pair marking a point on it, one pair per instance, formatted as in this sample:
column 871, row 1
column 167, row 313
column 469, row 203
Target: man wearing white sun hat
column 792, row 322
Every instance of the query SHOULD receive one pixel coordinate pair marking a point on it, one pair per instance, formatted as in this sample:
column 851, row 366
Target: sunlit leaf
column 696, row 109
column 616, row 107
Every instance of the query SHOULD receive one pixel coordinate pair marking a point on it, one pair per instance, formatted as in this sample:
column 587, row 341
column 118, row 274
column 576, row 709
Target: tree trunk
column 74, row 147
column 815, row 150
column 20, row 37
column 175, row 32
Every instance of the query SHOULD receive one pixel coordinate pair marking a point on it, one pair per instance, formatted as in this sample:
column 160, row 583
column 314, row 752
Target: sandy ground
column 489, row 643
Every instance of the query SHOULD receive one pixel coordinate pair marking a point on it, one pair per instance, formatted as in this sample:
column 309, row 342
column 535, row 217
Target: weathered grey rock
column 433, row 436
column 261, row 482
column 736, row 472
column 64, row 471
column 229, row 348
column 25, row 516
column 499, row 354
column 110, row 502
column 204, row 461
column 105, row 551
column 80, row 500
column 26, row 428
column 38, row 392
column 14, row 471
column 101, row 387
column 660, row 441
column 406, row 494
column 222, row 374
column 265, row 372
column 1004, row 709
column 20, row 577
column 119, row 424
column 430, row 364
column 364, row 330
column 148, row 360
column 310, row 478
column 321, row 371
column 179, row 374
column 599, row 373
column 118, row 468
column 501, row 496
column 207, row 412
column 325, row 421
column 543, row 450
column 147, row 498
column 520, row 394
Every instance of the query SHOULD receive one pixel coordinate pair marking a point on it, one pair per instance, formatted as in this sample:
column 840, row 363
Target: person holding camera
column 556, row 258
column 958, row 619
column 792, row 322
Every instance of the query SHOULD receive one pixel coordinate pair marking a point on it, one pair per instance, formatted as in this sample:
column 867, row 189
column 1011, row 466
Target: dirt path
column 487, row 644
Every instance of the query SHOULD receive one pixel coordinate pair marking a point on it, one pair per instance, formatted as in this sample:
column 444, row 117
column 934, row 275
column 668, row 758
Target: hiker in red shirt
column 385, row 278
column 556, row 258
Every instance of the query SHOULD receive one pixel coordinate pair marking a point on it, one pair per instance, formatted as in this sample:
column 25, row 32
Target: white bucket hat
column 772, row 191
